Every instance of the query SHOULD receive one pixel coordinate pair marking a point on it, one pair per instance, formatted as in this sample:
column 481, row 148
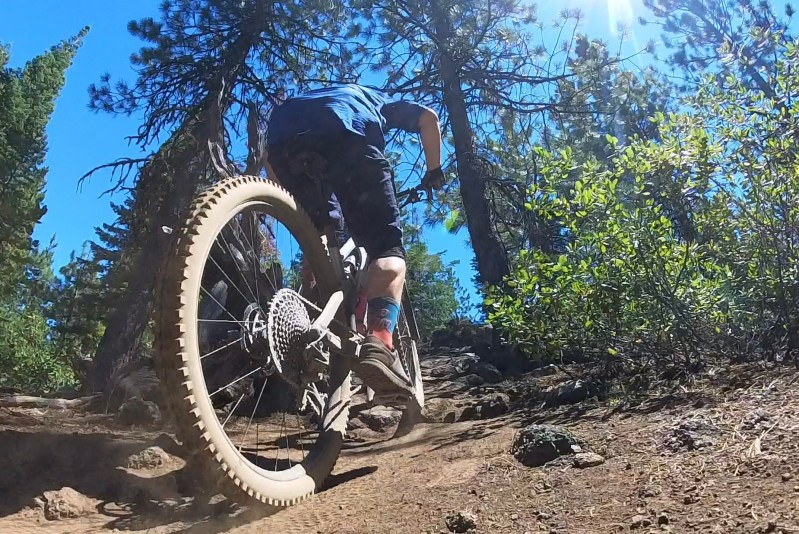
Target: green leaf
column 451, row 222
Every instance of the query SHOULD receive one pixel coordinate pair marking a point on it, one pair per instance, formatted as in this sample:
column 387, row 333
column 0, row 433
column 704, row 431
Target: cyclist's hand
column 433, row 179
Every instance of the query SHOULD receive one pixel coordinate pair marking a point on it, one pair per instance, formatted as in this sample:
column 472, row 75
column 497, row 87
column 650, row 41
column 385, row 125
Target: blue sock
column 382, row 314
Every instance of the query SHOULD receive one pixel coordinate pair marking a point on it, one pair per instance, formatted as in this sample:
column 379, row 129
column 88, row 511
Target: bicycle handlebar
column 413, row 195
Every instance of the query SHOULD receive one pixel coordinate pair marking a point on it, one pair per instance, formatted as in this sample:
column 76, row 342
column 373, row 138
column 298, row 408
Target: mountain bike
column 256, row 335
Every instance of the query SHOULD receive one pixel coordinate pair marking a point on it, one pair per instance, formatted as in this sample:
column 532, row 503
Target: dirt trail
column 706, row 460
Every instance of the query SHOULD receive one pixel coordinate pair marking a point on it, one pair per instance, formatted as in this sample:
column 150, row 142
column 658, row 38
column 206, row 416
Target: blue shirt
column 333, row 111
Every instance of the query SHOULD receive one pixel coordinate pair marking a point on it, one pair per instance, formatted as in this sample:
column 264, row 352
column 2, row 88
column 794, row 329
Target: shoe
column 381, row 369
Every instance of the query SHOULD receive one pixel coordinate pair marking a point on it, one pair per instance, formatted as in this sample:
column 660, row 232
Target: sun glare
column 620, row 12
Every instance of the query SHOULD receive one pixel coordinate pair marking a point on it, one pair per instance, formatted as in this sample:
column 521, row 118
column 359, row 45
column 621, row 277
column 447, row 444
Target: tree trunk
column 177, row 171
column 492, row 259
column 164, row 192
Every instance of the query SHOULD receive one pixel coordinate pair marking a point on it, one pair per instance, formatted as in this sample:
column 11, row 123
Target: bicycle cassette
column 287, row 326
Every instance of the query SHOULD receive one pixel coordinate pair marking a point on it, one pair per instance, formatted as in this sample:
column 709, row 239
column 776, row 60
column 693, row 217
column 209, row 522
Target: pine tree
column 739, row 37
column 207, row 63
column 27, row 99
column 76, row 311
column 484, row 60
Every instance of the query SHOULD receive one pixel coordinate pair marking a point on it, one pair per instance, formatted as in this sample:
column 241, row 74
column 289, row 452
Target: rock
column 473, row 380
column 489, row 406
column 464, row 364
column 141, row 382
column 510, row 360
column 786, row 477
column 487, row 372
column 66, row 503
column 442, row 371
column 136, row 411
column 355, row 424
column 640, row 521
column 588, row 459
column 690, row 435
column 663, row 519
column 570, row 392
column 380, row 418
column 461, row 522
column 439, row 411
column 149, row 458
column 538, row 444
column 484, row 335
column 756, row 420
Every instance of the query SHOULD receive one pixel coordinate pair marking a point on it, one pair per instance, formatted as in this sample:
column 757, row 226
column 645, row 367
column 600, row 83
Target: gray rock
column 136, row 411
column 588, row 459
column 65, row 503
column 640, row 521
column 464, row 364
column 570, row 392
column 473, row 380
column 461, row 522
column 149, row 458
column 140, row 382
column 439, row 411
column 489, row 406
column 690, row 435
column 380, row 418
column 538, row 444
column 484, row 334
column 487, row 372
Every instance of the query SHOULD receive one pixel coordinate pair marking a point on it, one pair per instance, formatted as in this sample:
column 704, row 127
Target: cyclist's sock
column 382, row 317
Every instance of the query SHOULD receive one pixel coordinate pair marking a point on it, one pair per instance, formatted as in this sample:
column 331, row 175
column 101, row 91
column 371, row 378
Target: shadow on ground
column 93, row 464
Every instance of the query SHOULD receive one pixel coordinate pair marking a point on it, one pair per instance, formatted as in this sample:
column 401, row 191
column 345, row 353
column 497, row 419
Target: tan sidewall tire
column 413, row 413
column 180, row 367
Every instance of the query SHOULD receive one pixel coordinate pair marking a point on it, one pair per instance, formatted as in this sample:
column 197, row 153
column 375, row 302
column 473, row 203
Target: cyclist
column 326, row 147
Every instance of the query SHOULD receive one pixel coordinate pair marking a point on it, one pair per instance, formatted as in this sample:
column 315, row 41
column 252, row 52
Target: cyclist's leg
column 363, row 181
column 299, row 168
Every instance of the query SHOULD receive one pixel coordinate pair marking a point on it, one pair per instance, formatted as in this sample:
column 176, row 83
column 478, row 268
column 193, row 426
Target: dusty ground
column 703, row 459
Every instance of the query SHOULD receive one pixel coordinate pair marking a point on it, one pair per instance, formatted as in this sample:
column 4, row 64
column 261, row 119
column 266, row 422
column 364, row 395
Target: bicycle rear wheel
column 247, row 280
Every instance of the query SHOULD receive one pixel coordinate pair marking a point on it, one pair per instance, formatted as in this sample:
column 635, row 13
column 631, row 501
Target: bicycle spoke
column 229, row 280
column 236, row 381
column 230, row 414
column 254, row 409
column 238, row 340
column 218, row 304
column 243, row 277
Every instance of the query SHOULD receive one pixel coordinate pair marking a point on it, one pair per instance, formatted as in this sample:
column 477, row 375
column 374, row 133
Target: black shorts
column 343, row 180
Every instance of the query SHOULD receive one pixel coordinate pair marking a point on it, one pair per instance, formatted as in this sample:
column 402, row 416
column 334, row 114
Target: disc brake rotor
column 253, row 327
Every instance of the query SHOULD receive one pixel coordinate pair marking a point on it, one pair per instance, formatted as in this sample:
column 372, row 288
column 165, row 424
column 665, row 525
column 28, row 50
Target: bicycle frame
column 330, row 335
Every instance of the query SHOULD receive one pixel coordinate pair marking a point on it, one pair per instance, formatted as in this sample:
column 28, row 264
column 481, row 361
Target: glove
column 433, row 179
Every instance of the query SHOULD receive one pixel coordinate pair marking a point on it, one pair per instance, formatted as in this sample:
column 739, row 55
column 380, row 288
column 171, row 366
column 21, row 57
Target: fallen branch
column 25, row 401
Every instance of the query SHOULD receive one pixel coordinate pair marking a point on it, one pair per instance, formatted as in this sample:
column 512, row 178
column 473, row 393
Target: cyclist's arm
column 416, row 118
column 430, row 132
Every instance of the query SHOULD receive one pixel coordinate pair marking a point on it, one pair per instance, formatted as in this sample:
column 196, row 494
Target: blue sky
column 80, row 139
